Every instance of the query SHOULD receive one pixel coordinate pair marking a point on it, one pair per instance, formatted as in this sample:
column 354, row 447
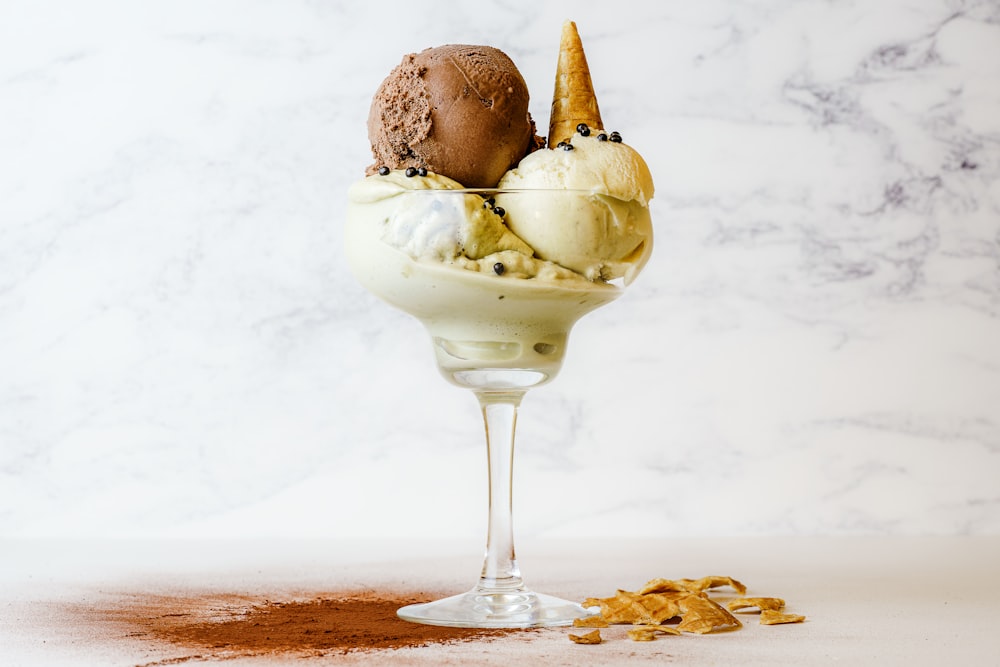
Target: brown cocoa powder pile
column 225, row 626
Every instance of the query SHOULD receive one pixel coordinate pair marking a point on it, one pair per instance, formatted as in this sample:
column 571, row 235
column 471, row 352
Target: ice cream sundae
column 498, row 244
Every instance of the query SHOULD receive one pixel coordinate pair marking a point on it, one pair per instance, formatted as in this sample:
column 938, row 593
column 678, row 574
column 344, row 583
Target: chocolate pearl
column 383, row 171
column 499, row 268
column 411, row 172
column 583, row 129
column 499, row 210
column 422, row 171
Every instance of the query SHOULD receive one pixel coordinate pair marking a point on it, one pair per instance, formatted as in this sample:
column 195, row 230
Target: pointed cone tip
column 573, row 98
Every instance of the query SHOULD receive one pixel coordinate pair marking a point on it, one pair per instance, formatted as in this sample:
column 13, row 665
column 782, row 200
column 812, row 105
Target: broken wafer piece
column 590, row 622
column 573, row 99
column 691, row 585
column 701, row 615
column 634, row 608
column 762, row 604
column 589, row 638
column 647, row 633
column 773, row 617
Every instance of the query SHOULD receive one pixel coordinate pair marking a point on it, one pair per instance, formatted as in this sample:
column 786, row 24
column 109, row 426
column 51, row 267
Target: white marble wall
column 814, row 348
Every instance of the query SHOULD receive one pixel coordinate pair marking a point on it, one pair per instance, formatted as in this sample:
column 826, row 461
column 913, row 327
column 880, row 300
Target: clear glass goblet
column 497, row 334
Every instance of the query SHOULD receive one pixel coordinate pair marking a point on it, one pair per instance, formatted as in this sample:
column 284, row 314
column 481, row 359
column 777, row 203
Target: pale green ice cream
column 439, row 253
column 498, row 277
column 456, row 231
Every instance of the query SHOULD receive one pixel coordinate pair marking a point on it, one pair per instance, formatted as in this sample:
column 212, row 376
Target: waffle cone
column 573, row 100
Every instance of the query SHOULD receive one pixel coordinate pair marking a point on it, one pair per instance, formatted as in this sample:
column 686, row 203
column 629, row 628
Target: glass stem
column 500, row 571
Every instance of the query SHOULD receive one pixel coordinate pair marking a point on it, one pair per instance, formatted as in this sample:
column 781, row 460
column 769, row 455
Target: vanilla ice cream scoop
column 604, row 236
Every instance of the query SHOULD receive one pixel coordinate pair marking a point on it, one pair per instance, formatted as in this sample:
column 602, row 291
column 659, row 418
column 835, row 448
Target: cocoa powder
column 213, row 626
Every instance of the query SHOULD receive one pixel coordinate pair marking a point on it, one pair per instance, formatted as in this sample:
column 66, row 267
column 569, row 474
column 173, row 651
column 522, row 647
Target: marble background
column 813, row 349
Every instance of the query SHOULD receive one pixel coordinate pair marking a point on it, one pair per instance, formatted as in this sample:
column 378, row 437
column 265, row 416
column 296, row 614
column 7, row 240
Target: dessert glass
column 498, row 336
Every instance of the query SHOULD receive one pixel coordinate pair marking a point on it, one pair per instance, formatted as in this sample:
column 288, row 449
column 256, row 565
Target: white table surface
column 867, row 600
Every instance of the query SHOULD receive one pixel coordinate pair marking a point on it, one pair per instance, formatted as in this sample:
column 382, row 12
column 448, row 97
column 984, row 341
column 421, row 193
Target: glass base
column 479, row 609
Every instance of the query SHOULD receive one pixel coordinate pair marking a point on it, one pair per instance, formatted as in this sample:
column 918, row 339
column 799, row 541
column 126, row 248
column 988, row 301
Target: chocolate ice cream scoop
column 458, row 110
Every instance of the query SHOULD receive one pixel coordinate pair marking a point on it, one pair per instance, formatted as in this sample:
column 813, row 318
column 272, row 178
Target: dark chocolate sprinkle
column 411, row 172
column 615, row 137
column 499, row 268
column 422, row 171
column 499, row 210
column 602, row 137
column 489, row 202
column 583, row 129
column 383, row 171
column 567, row 147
